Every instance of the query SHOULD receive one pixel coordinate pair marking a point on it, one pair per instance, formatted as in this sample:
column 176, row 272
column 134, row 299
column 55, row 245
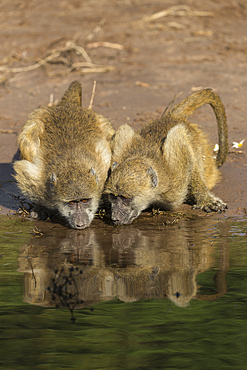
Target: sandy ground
column 139, row 62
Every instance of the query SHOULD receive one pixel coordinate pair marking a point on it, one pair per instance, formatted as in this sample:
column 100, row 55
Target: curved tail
column 196, row 100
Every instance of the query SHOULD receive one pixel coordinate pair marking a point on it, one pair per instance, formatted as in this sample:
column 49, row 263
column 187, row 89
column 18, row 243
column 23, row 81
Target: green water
column 121, row 291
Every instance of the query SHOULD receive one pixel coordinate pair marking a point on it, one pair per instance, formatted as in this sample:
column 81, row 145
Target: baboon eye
column 84, row 200
column 126, row 200
column 112, row 196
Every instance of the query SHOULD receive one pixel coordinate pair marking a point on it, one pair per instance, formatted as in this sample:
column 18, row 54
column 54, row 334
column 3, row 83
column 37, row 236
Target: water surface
column 162, row 293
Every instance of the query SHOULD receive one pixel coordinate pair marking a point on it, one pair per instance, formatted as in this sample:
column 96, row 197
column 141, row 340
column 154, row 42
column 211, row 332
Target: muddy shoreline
column 144, row 63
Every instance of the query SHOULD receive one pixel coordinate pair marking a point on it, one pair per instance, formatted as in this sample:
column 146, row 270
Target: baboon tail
column 196, row 100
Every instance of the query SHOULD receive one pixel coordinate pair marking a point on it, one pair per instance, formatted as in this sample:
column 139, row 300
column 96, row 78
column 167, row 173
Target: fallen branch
column 55, row 54
column 179, row 10
column 85, row 67
column 7, row 131
column 105, row 44
column 70, row 45
column 32, row 67
column 89, row 68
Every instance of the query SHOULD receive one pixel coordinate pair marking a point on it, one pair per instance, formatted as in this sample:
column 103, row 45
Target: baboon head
column 131, row 187
column 76, row 199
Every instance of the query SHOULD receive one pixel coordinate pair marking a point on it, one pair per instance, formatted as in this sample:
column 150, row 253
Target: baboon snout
column 117, row 217
column 80, row 225
column 79, row 222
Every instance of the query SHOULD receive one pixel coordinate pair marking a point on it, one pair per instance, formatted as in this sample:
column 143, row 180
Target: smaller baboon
column 65, row 158
column 167, row 162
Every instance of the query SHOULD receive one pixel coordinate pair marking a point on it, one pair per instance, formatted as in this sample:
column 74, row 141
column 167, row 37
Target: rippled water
column 162, row 293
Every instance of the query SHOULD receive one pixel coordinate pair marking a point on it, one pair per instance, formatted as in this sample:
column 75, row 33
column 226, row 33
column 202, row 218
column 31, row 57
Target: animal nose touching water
column 71, row 156
column 167, row 162
column 65, row 158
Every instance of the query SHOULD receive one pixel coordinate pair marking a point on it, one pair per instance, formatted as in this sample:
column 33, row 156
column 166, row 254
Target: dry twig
column 90, row 67
column 22, row 204
column 32, row 67
column 70, row 45
column 105, row 44
column 92, row 97
column 142, row 84
column 96, row 30
column 235, row 152
column 36, row 231
column 84, row 67
column 178, row 10
column 7, row 131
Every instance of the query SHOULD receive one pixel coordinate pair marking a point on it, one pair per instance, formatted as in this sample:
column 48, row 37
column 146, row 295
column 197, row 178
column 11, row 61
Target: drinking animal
column 167, row 162
column 65, row 158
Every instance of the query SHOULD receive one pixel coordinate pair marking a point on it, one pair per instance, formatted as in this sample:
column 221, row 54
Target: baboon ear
column 72, row 95
column 93, row 173
column 153, row 176
column 53, row 181
column 115, row 164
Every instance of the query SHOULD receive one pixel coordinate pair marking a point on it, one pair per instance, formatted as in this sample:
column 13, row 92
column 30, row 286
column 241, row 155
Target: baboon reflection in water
column 132, row 264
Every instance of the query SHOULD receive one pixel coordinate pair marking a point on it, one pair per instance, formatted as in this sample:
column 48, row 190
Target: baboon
column 65, row 158
column 167, row 162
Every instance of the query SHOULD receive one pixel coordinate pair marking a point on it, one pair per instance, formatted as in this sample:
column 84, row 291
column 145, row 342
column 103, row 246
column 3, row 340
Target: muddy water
column 166, row 292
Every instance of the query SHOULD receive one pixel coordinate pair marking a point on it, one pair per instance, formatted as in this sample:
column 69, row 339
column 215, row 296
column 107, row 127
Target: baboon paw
column 213, row 204
column 34, row 214
column 39, row 212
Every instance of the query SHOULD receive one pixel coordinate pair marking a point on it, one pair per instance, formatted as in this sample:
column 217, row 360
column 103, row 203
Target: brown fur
column 167, row 162
column 65, row 158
